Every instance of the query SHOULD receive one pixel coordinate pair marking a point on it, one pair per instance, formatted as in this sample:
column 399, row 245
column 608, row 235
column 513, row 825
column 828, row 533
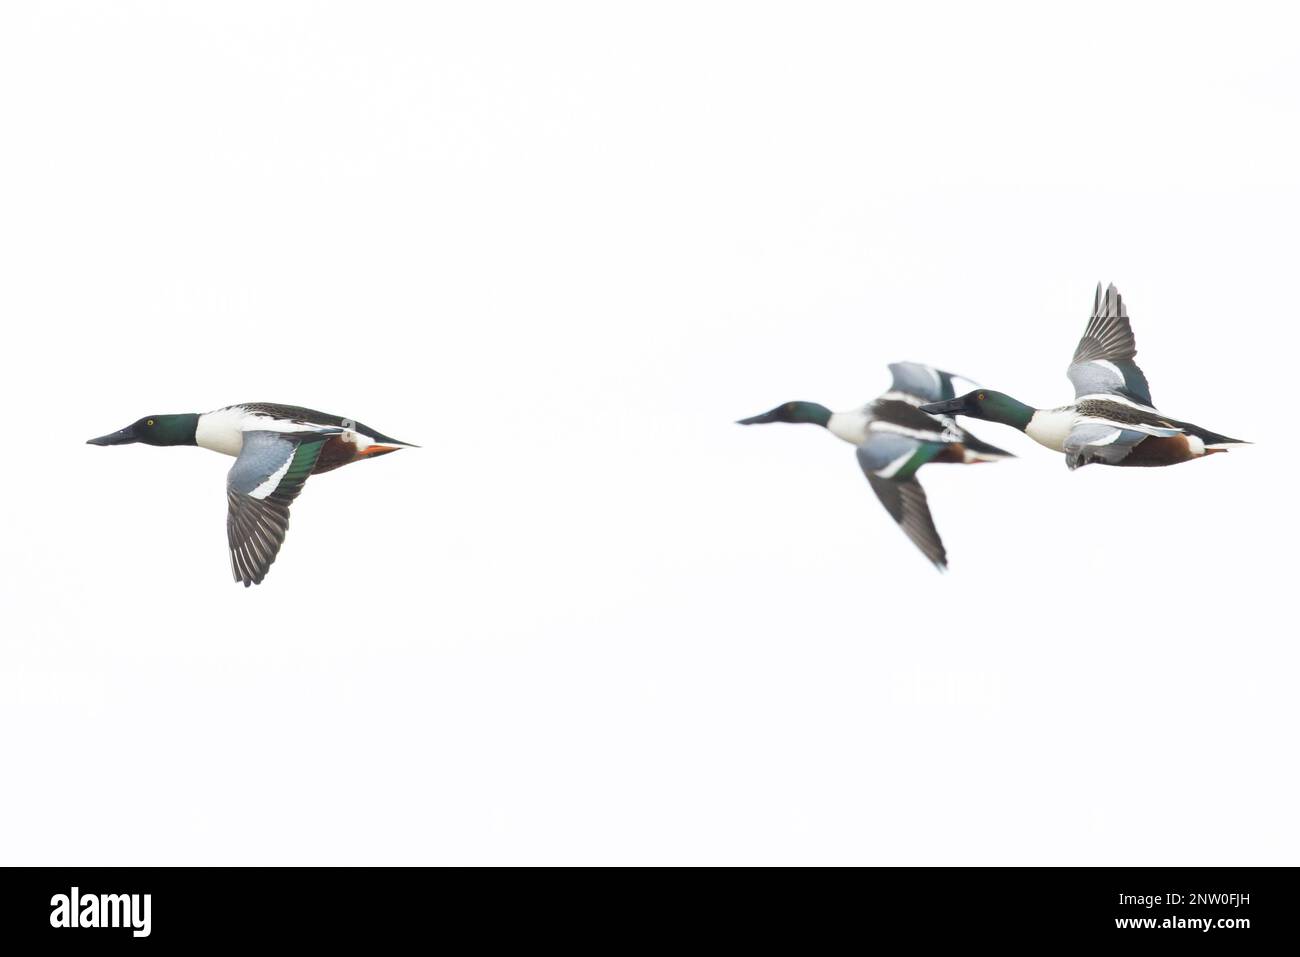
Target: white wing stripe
column 890, row 470
column 1109, row 367
column 269, row 486
column 1108, row 439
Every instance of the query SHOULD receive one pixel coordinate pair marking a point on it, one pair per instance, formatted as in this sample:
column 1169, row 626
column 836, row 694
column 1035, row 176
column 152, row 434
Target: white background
column 563, row 247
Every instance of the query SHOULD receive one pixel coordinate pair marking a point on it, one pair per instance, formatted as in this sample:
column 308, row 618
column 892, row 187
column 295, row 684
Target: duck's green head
column 809, row 412
column 985, row 404
column 154, row 430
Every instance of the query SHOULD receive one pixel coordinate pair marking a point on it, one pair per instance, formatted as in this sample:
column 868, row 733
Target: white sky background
column 593, row 621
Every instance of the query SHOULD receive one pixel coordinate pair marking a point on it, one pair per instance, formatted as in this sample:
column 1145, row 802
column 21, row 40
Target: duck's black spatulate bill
column 956, row 406
column 120, row 437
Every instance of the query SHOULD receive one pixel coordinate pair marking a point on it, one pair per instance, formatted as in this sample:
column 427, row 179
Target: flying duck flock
column 1112, row 421
column 276, row 448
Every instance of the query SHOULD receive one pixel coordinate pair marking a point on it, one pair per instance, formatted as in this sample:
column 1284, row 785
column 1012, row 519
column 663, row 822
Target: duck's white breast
column 849, row 426
column 221, row 431
column 1050, row 427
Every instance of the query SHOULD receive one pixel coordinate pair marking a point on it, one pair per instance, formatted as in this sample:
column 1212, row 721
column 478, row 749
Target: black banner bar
column 1224, row 907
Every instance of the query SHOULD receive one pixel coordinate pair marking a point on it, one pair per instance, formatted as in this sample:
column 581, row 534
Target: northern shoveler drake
column 894, row 438
column 1112, row 419
column 276, row 448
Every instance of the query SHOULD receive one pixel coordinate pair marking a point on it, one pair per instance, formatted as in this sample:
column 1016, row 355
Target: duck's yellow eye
column 150, row 422
column 981, row 397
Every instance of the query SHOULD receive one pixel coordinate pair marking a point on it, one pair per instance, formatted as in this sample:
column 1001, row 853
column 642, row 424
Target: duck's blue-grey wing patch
column 265, row 479
column 1100, row 442
column 889, row 453
column 921, row 381
column 1103, row 362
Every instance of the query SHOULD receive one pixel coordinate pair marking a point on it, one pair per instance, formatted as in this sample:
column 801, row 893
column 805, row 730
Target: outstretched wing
column 265, row 479
column 1103, row 362
column 921, row 382
column 890, row 462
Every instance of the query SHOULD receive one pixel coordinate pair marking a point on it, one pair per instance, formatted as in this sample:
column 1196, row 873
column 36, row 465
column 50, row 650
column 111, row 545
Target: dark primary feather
column 906, row 502
column 1109, row 334
column 1109, row 337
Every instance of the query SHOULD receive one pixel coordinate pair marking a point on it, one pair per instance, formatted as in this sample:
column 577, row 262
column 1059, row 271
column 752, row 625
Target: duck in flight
column 894, row 438
column 1112, row 419
column 276, row 447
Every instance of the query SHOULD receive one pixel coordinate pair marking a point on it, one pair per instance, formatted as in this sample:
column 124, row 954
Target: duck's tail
column 1212, row 438
column 977, row 450
column 379, row 438
column 395, row 443
column 380, row 444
